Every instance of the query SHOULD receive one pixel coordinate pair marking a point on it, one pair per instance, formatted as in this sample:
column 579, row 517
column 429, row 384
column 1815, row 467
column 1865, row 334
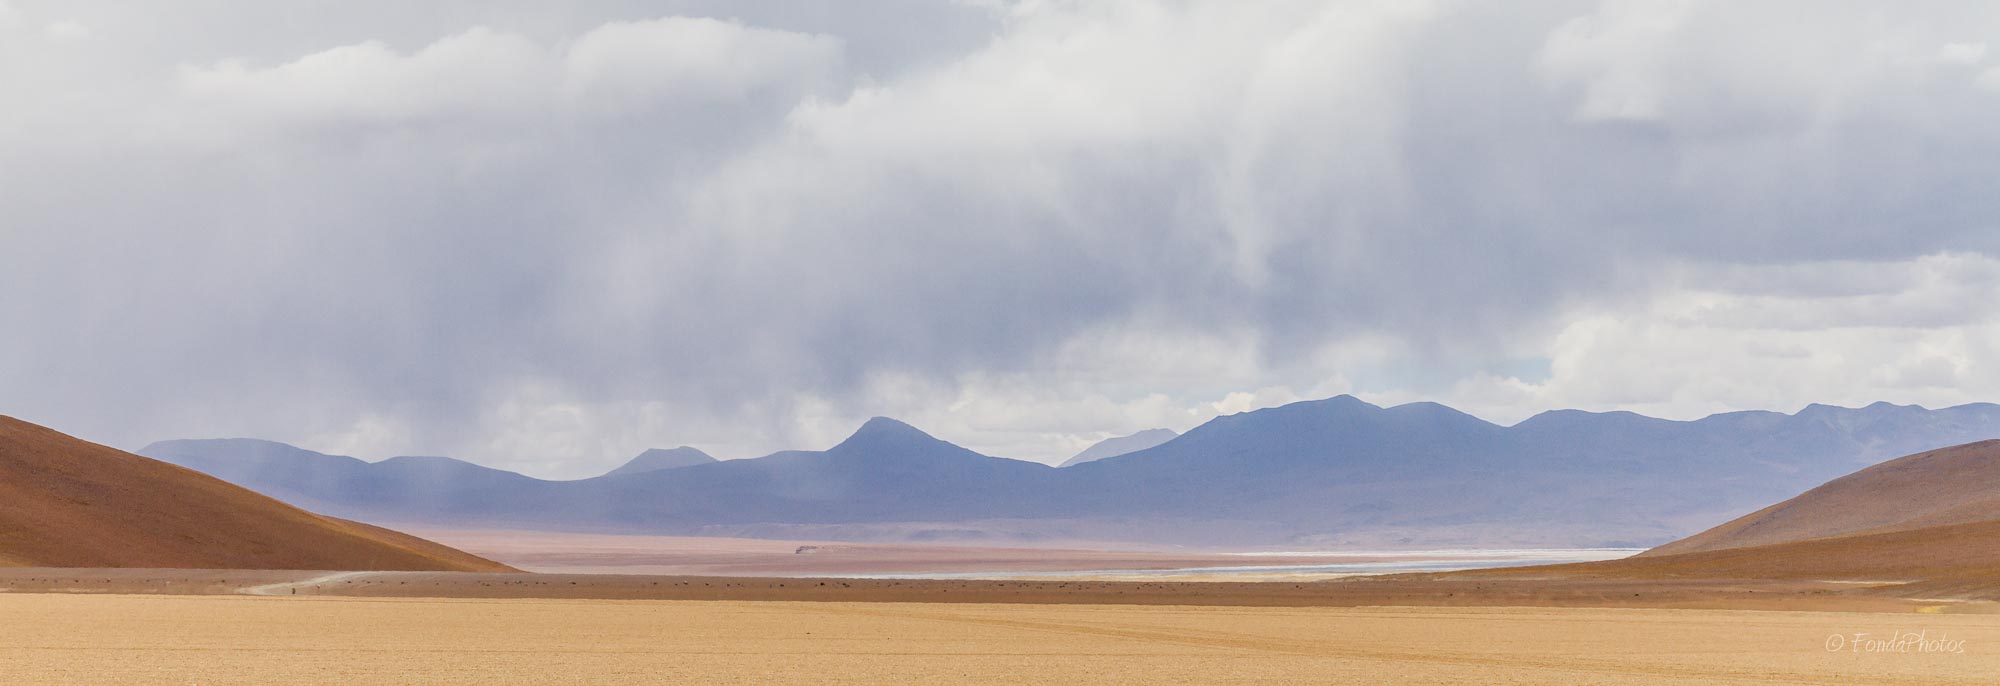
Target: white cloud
column 1962, row 53
column 1931, row 337
column 1726, row 70
column 1619, row 55
column 469, row 74
column 484, row 75
column 371, row 436
column 629, row 65
column 1989, row 79
column 63, row 30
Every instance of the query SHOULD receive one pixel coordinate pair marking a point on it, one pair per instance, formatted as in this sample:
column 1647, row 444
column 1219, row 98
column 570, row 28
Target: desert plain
column 222, row 639
column 139, row 626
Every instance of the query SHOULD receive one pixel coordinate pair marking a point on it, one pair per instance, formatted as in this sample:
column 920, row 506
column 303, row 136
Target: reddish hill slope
column 1926, row 525
column 66, row 502
column 1948, row 486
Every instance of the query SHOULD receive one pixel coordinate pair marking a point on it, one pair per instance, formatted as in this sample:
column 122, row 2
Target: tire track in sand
column 291, row 587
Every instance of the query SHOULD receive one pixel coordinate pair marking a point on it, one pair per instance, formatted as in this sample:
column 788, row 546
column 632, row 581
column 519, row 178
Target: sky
column 545, row 238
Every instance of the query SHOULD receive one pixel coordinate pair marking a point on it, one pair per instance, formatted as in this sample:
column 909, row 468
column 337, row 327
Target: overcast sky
column 545, row 238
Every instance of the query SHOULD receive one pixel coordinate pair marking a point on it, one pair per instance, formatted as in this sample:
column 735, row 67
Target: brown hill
column 1926, row 525
column 1948, row 486
column 1951, row 552
column 66, row 502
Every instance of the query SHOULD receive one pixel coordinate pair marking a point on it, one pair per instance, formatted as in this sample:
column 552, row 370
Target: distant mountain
column 1325, row 473
column 1949, row 486
column 1113, row 447
column 399, row 489
column 66, row 502
column 887, row 471
column 657, row 459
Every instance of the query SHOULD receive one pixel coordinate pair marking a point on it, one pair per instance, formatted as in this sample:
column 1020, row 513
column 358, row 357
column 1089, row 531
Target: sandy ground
column 125, row 639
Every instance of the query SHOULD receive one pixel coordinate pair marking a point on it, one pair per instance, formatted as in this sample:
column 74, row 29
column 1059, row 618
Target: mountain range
column 1325, row 473
column 66, row 502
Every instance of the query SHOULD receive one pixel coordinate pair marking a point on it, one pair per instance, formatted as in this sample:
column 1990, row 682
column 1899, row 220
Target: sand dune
column 66, row 502
column 1956, row 485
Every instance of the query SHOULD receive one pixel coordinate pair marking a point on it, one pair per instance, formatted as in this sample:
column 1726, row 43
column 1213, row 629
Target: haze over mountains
column 1334, row 472
column 657, row 459
column 66, row 502
column 1113, row 447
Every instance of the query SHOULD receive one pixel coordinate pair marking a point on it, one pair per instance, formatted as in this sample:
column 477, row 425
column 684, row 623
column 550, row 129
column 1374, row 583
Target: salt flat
column 154, row 639
column 600, row 553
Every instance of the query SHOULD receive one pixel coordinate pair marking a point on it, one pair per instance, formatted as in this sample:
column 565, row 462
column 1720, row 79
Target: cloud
column 467, row 75
column 550, row 236
column 1616, row 55
column 1754, row 340
column 1962, row 53
column 629, row 65
column 1990, row 79
column 621, row 68
column 64, row 30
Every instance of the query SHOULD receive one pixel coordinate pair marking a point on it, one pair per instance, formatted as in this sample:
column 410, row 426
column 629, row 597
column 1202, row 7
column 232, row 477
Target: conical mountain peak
column 658, row 459
column 882, row 432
